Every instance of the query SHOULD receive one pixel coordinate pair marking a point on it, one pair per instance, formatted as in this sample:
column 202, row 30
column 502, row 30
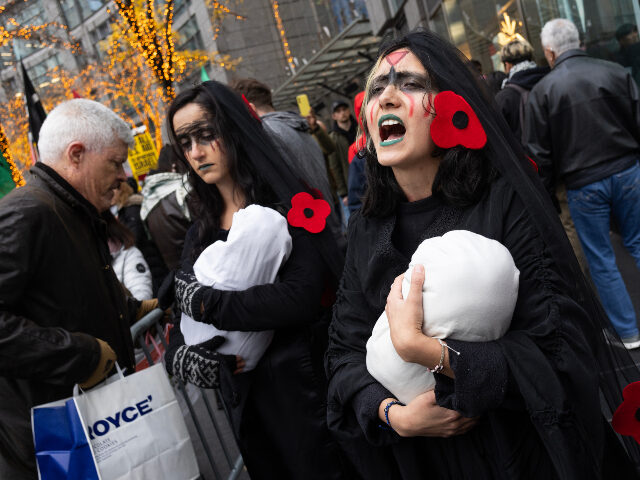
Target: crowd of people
column 431, row 152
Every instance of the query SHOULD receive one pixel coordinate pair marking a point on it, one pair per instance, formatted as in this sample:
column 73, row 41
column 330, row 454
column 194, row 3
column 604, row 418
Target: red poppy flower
column 626, row 420
column 308, row 213
column 456, row 123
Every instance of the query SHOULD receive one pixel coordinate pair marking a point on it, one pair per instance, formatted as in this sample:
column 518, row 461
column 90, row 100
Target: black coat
column 535, row 389
column 582, row 121
column 57, row 294
column 278, row 410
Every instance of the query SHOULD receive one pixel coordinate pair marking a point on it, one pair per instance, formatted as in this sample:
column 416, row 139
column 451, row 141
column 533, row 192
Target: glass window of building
column 76, row 11
column 179, row 7
column 39, row 73
column 190, row 38
column 71, row 12
column 479, row 28
column 24, row 14
column 98, row 34
column 346, row 11
column 602, row 23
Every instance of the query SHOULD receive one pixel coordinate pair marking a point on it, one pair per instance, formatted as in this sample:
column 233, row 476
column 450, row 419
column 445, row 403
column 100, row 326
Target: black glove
column 199, row 364
column 189, row 294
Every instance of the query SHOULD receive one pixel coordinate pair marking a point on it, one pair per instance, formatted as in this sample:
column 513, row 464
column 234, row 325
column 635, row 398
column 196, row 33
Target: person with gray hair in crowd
column 582, row 130
column 64, row 317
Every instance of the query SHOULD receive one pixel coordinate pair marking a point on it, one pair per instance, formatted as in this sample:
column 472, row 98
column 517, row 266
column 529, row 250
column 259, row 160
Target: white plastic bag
column 136, row 428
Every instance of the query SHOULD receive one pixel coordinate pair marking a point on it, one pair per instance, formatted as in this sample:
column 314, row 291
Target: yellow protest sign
column 143, row 156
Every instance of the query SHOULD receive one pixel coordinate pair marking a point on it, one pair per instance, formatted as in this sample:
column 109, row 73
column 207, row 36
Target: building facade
column 273, row 38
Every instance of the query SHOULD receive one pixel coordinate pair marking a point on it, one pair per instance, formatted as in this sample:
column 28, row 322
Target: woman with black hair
column 439, row 159
column 278, row 408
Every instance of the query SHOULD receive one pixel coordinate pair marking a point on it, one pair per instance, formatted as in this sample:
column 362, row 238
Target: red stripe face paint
column 394, row 57
column 427, row 108
column 371, row 124
column 412, row 102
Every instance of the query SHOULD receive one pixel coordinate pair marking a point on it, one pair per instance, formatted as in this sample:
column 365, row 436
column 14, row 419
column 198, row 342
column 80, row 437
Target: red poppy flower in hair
column 308, row 212
column 626, row 420
column 456, row 123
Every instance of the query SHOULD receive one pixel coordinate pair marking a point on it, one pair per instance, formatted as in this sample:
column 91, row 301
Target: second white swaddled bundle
column 469, row 293
column 257, row 246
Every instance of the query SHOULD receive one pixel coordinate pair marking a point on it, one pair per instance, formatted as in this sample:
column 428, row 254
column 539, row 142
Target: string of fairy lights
column 283, row 36
column 158, row 50
column 145, row 28
column 13, row 30
column 4, row 148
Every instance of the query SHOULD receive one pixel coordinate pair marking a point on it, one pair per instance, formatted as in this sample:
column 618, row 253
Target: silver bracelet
column 438, row 368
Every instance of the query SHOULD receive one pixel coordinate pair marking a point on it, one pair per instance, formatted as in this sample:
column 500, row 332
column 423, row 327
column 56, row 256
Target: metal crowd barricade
column 138, row 331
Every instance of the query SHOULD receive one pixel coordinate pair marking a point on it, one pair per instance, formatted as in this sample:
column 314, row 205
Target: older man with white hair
column 64, row 318
column 582, row 129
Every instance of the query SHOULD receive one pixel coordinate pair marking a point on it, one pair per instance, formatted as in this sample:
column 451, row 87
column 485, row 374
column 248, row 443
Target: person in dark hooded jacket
column 517, row 56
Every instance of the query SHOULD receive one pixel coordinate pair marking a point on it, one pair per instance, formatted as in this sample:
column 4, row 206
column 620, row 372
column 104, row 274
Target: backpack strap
column 524, row 96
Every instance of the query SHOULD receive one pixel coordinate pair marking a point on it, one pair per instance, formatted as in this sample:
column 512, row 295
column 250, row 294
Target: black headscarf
column 446, row 67
column 242, row 130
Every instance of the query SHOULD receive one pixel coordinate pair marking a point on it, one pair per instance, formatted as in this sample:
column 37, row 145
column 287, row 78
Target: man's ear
column 75, row 151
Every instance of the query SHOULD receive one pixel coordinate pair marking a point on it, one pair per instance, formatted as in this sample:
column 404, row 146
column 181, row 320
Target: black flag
column 35, row 111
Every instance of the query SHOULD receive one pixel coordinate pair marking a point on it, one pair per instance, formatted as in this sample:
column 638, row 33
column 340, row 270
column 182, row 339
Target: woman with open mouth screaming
column 524, row 405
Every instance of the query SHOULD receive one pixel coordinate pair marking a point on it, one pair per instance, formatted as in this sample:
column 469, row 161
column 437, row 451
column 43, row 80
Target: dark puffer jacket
column 57, row 294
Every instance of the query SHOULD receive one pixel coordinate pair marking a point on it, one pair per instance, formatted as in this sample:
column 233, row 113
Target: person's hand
column 105, row 364
column 406, row 315
column 200, row 364
column 312, row 121
column 189, row 293
column 345, row 201
column 145, row 307
column 423, row 417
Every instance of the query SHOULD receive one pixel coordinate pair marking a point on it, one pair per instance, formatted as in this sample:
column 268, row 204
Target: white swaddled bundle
column 257, row 246
column 469, row 293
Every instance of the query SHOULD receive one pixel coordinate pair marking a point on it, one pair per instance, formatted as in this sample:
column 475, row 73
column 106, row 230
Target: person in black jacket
column 277, row 409
column 583, row 129
column 523, row 74
column 524, row 406
column 64, row 317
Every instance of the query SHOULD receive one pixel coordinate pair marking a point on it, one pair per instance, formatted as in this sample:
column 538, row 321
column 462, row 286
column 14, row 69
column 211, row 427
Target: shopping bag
column 135, row 429
column 62, row 446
